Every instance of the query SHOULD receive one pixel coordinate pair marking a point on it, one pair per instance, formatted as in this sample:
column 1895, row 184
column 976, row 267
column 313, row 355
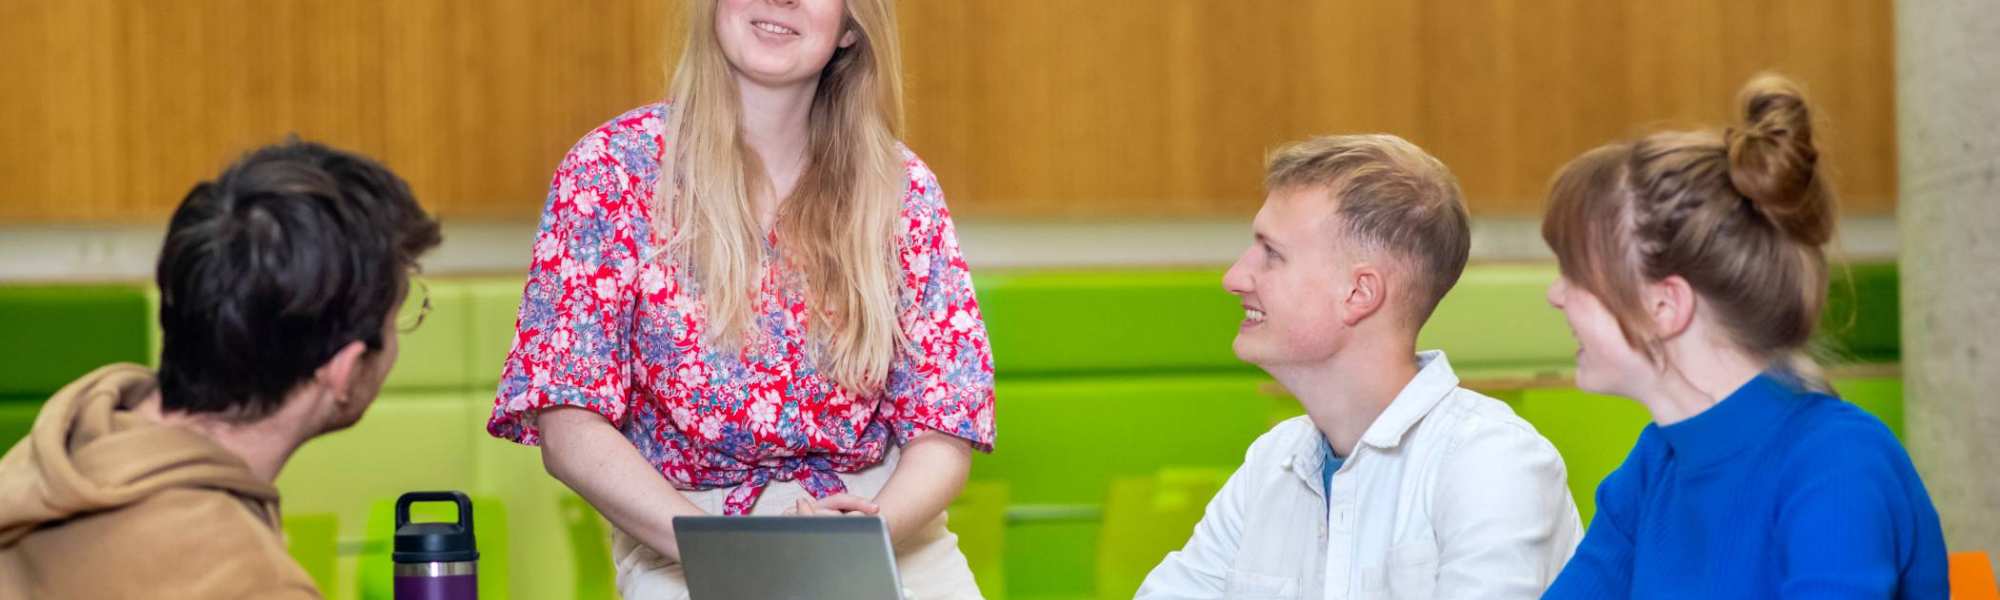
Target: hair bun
column 1773, row 163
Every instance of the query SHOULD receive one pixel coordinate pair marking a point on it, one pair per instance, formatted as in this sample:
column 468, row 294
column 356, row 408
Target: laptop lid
column 787, row 558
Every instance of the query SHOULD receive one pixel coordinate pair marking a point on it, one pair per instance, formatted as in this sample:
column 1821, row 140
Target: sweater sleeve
column 1201, row 570
column 1602, row 565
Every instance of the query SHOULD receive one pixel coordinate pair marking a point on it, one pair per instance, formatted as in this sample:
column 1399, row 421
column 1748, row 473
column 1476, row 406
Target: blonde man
column 1396, row 483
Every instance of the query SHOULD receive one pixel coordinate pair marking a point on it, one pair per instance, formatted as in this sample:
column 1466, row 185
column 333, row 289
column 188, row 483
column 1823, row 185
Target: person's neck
column 775, row 125
column 1345, row 394
column 264, row 445
column 1695, row 377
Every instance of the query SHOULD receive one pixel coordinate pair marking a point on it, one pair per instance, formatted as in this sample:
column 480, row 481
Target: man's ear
column 338, row 373
column 1368, row 291
column 1671, row 304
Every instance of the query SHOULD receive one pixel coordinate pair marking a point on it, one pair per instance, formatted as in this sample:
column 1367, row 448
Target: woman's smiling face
column 781, row 42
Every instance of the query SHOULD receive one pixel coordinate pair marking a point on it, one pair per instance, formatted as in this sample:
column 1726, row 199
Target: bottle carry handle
column 464, row 506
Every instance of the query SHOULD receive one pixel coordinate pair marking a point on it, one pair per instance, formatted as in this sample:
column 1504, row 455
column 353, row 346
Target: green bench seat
column 55, row 333
column 1064, row 440
column 1099, row 322
column 1103, row 376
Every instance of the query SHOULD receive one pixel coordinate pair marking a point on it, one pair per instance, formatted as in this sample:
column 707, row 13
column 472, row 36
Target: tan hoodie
column 99, row 502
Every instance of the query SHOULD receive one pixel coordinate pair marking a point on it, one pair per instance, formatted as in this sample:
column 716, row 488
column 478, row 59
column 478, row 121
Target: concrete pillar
column 1948, row 124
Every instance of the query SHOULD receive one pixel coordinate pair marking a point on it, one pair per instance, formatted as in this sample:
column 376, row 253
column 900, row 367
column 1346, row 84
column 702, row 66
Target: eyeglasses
column 410, row 320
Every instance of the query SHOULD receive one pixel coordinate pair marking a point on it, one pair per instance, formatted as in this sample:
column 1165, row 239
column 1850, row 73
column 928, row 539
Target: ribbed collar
column 1743, row 419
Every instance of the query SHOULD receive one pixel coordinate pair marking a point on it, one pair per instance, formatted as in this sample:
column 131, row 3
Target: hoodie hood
column 87, row 452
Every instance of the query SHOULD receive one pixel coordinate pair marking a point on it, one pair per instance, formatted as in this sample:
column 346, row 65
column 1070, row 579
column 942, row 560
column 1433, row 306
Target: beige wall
column 1032, row 109
column 1949, row 51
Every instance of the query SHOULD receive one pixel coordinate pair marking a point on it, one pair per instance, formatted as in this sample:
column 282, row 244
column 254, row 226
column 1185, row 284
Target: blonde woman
column 749, row 300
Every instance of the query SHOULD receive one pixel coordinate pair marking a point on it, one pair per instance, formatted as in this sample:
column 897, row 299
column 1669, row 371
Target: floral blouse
column 610, row 324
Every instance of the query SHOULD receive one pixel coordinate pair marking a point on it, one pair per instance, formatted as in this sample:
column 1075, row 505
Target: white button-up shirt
column 1447, row 495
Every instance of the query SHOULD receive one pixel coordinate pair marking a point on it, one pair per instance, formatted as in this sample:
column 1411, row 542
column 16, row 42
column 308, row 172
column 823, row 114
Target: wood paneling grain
column 1039, row 109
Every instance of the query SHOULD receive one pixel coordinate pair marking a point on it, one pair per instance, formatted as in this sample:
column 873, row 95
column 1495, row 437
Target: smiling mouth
column 773, row 28
column 1252, row 316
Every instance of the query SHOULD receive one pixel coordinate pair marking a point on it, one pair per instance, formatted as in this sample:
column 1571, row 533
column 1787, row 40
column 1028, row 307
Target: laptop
column 787, row 558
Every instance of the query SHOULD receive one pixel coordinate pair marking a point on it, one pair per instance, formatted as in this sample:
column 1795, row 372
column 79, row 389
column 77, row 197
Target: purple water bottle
column 436, row 561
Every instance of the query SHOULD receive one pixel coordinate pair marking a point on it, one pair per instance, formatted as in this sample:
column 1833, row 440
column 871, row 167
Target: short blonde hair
column 1390, row 196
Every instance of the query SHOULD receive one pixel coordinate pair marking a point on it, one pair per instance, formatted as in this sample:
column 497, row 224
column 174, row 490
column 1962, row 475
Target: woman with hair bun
column 1693, row 276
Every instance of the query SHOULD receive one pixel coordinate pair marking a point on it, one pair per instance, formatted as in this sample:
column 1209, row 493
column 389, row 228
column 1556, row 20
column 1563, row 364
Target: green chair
column 1880, row 396
column 56, row 333
column 375, row 574
column 545, row 529
column 1092, row 322
column 1144, row 519
column 1593, row 433
column 17, row 417
column 979, row 518
column 1050, row 552
column 589, row 550
column 313, row 541
column 407, row 441
column 1497, row 320
column 1863, row 317
column 493, row 304
column 434, row 356
column 1064, row 440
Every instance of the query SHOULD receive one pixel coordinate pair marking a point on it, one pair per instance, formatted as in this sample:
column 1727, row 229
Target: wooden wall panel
column 1511, row 94
column 1032, row 109
column 1040, row 108
column 115, row 108
column 1049, row 108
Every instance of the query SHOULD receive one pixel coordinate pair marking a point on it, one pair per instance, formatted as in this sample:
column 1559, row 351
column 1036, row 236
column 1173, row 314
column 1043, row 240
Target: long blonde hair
column 837, row 226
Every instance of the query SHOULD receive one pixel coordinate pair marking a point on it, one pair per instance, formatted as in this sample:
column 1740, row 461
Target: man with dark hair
column 279, row 285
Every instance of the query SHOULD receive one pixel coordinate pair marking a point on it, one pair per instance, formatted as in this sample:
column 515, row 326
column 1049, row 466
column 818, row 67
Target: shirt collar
column 1743, row 418
column 1434, row 380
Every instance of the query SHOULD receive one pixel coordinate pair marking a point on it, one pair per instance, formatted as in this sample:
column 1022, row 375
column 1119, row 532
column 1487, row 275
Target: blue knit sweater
column 1774, row 492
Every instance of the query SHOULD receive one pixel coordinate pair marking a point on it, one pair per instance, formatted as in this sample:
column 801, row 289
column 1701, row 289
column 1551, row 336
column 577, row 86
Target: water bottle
column 435, row 561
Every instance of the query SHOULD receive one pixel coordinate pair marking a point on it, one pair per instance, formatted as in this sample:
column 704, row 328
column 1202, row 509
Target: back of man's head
column 1390, row 197
column 291, row 254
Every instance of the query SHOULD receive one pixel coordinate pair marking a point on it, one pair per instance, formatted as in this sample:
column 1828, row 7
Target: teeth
column 1253, row 314
column 773, row 28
